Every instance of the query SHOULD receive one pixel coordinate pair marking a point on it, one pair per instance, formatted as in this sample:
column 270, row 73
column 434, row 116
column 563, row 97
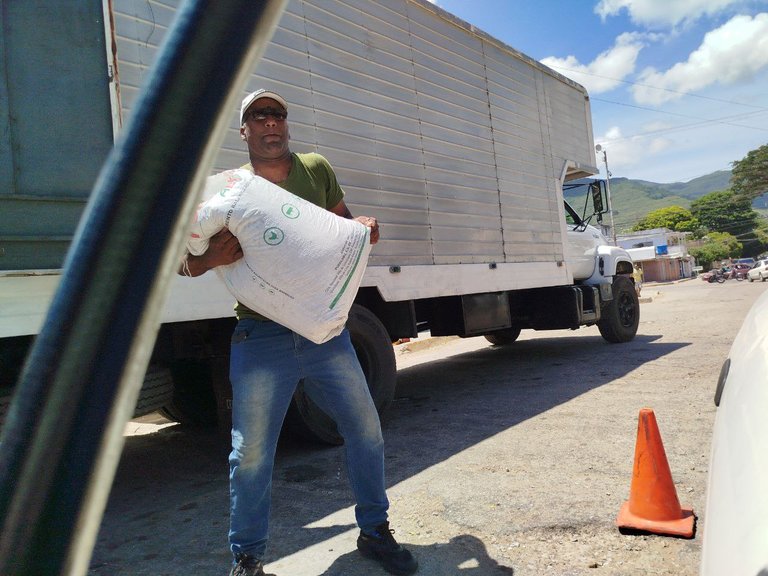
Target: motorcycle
column 716, row 276
column 739, row 275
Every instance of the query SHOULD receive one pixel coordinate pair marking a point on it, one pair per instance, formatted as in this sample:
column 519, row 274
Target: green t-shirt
column 311, row 178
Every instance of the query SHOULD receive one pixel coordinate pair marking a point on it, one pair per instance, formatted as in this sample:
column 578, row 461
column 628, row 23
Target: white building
column 661, row 254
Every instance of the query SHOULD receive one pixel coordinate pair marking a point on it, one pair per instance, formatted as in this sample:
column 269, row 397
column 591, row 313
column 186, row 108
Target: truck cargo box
column 456, row 142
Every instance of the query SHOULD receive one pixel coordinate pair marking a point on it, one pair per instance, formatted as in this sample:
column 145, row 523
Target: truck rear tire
column 503, row 337
column 156, row 390
column 13, row 354
column 377, row 359
column 621, row 315
column 193, row 402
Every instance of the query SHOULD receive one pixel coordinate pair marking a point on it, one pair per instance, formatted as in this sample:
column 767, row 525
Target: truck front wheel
column 377, row 358
column 621, row 315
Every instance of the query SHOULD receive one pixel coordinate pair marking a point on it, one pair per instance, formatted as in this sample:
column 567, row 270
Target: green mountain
column 634, row 199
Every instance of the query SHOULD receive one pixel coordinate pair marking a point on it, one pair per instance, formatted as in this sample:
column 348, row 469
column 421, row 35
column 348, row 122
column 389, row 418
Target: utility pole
column 599, row 149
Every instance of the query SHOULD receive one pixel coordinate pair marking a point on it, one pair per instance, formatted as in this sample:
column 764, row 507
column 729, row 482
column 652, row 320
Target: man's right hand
column 223, row 249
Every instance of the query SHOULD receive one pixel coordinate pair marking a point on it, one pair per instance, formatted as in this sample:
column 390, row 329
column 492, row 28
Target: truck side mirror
column 596, row 189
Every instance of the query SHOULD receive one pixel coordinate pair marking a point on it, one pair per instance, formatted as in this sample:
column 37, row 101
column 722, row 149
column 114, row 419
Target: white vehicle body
column 759, row 271
column 736, row 528
column 457, row 143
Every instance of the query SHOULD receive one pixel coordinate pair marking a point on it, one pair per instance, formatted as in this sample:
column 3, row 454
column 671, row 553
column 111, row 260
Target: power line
column 701, row 121
column 657, row 111
column 683, row 127
column 693, row 95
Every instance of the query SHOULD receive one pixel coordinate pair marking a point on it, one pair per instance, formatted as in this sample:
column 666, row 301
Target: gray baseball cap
column 260, row 93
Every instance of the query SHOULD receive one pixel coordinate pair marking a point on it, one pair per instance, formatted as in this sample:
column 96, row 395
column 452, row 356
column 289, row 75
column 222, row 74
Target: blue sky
column 679, row 88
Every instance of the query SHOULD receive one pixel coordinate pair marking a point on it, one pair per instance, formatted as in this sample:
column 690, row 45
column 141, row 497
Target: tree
column 674, row 218
column 749, row 178
column 723, row 212
column 718, row 246
column 761, row 233
column 755, row 241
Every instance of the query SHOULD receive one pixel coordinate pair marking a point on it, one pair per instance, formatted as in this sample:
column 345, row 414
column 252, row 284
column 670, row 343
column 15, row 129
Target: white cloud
column 733, row 53
column 673, row 157
column 663, row 13
column 632, row 154
column 657, row 126
column 606, row 71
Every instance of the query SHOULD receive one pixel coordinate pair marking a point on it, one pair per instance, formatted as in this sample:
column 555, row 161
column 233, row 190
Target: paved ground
column 500, row 460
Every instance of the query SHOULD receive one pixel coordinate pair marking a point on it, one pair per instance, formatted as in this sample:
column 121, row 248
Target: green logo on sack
column 273, row 236
column 290, row 211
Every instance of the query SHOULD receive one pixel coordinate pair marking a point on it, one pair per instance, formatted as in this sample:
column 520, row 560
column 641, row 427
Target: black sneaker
column 381, row 546
column 247, row 566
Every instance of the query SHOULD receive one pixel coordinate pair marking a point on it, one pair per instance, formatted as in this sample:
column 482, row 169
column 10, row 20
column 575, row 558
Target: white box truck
column 462, row 147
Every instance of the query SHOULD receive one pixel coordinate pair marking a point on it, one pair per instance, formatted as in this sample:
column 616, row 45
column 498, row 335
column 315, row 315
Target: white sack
column 301, row 265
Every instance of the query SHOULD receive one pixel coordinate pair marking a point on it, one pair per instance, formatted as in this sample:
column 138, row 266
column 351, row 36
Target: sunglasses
column 264, row 113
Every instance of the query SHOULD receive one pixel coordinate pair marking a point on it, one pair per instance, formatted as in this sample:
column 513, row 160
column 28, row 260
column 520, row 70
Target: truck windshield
column 571, row 217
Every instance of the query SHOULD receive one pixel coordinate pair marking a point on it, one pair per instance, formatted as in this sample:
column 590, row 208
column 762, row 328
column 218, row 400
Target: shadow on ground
column 463, row 555
column 170, row 496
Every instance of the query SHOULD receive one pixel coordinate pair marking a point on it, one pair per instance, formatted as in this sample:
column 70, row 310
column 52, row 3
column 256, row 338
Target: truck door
column 580, row 245
column 55, row 125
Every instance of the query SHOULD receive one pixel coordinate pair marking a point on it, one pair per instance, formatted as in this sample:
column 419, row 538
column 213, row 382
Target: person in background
column 637, row 275
column 268, row 361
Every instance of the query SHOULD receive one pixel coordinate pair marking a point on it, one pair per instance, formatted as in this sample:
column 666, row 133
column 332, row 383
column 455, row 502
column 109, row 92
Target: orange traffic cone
column 653, row 505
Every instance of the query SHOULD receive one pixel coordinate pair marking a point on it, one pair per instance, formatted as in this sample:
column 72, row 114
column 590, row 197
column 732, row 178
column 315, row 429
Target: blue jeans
column 266, row 364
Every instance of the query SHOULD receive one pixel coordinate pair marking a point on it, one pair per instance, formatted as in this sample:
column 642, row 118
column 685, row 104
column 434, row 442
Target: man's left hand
column 371, row 223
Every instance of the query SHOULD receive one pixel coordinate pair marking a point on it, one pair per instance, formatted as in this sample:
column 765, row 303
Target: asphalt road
column 508, row 460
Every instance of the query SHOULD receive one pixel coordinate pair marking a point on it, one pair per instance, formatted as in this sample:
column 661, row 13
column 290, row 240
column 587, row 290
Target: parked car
column 759, row 271
column 747, row 261
column 737, row 499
